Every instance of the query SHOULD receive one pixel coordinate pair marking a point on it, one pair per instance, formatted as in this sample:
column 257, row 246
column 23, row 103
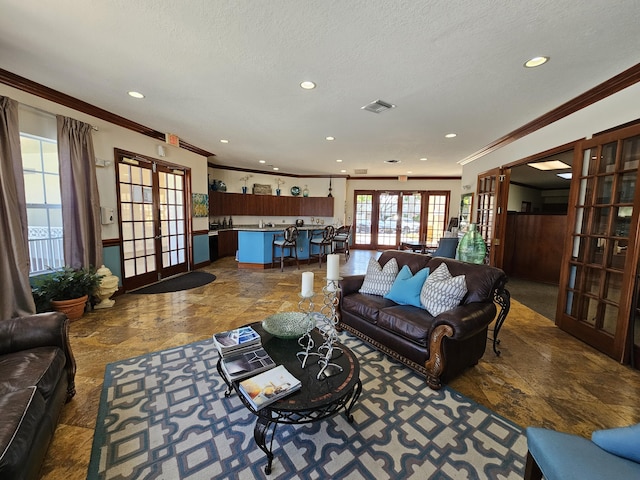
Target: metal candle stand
column 306, row 306
column 327, row 327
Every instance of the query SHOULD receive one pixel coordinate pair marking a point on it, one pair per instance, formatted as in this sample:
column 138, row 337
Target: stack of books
column 243, row 359
column 241, row 353
column 267, row 387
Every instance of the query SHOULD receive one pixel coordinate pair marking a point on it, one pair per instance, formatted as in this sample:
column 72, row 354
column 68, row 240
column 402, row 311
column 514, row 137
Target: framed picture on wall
column 200, row 203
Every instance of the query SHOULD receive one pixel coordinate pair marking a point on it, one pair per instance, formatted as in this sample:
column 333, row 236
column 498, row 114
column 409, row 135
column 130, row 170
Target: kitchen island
column 254, row 244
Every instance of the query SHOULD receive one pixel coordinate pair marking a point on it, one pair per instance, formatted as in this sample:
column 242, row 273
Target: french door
column 492, row 196
column 153, row 228
column 386, row 219
column 600, row 263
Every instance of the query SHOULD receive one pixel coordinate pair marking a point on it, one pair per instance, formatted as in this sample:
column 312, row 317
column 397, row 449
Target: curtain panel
column 80, row 198
column 16, row 298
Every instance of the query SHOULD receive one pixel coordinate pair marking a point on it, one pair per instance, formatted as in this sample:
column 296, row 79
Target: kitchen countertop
column 256, row 228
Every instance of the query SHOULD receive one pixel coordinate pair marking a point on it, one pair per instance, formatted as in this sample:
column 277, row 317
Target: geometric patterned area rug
column 164, row 416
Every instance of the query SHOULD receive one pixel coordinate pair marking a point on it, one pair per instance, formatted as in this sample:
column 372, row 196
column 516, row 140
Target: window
column 44, row 206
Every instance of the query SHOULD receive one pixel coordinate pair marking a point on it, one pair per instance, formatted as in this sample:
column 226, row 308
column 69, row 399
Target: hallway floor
column 544, row 377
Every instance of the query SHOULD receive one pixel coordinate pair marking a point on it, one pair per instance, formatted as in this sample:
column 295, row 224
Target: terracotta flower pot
column 74, row 309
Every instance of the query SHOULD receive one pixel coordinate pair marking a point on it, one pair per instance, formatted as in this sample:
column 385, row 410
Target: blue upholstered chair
column 610, row 454
column 446, row 247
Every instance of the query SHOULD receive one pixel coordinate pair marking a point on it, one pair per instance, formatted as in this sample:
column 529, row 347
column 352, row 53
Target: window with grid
column 363, row 218
column 436, row 217
column 410, row 220
column 41, row 174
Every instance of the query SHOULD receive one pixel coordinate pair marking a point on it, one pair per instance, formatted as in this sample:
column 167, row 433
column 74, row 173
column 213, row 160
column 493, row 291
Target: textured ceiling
column 231, row 69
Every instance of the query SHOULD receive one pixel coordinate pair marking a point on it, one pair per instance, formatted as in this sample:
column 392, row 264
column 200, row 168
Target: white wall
column 110, row 136
column 610, row 112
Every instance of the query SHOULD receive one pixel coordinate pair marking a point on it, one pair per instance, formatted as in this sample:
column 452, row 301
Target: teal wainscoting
column 201, row 248
column 111, row 260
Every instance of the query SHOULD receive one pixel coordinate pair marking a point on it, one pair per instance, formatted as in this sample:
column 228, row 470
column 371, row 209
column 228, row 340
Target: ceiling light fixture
column 566, row 176
column 536, row 62
column 423, row 159
column 135, row 94
column 276, row 168
column 262, row 161
column 550, row 165
column 308, row 85
column 339, row 160
column 330, row 138
column 451, row 135
column 224, row 141
column 343, row 171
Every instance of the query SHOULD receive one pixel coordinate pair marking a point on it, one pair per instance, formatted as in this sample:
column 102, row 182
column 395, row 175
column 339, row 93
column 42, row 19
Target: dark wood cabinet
column 221, row 203
column 227, row 243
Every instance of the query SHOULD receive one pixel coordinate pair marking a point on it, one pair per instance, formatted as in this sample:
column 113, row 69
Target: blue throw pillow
column 407, row 286
column 623, row 442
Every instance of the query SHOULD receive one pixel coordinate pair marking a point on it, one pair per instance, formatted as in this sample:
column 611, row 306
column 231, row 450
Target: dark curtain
column 80, row 199
column 15, row 294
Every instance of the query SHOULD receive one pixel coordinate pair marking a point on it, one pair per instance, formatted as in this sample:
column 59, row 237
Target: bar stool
column 323, row 239
column 341, row 241
column 285, row 240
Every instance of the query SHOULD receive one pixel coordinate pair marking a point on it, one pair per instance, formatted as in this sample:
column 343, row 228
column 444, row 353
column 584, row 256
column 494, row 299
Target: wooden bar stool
column 323, row 240
column 285, row 240
column 341, row 241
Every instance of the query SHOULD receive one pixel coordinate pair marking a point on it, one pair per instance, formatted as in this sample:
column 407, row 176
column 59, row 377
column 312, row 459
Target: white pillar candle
column 333, row 266
column 307, row 284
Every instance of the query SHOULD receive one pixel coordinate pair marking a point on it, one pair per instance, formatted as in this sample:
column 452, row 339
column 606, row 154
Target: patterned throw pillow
column 441, row 291
column 378, row 280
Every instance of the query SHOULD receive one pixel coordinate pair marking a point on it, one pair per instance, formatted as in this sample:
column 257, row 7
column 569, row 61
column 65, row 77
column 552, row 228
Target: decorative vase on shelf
column 244, row 189
column 472, row 248
column 277, row 191
column 305, row 191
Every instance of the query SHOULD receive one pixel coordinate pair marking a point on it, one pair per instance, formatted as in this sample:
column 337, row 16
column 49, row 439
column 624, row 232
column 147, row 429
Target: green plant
column 66, row 284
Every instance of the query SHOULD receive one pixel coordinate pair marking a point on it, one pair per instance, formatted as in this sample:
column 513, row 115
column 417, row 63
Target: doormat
column 175, row 284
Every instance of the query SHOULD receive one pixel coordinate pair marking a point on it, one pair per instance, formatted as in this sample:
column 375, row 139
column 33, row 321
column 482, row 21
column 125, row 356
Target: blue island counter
column 254, row 245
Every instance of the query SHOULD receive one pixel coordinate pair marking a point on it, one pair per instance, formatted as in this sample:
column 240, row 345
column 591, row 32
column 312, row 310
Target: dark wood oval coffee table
column 316, row 399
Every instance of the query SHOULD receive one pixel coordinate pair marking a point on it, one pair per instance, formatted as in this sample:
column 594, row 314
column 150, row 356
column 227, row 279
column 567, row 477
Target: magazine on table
column 243, row 338
column 245, row 364
column 267, row 387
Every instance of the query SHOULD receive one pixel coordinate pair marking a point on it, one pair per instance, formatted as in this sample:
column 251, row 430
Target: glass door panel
column 597, row 290
column 410, row 218
column 363, row 218
column 388, row 220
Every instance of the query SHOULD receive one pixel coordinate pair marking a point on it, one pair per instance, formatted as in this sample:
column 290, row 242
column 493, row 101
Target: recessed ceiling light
column 276, row 168
column 330, row 138
column 536, row 62
column 262, row 161
column 308, row 85
column 135, row 94
column 451, row 135
column 550, row 165
column 409, row 171
column 423, row 159
column 343, row 171
column 339, row 160
column 224, row 141
column 566, row 176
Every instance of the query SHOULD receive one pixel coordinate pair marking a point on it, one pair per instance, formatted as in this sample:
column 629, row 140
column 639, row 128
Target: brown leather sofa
column 439, row 347
column 37, row 372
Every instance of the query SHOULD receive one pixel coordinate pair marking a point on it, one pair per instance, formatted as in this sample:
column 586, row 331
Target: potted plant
column 67, row 290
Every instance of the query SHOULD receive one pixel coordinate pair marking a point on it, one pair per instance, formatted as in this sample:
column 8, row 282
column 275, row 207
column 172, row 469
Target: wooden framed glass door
column 151, row 202
column 492, row 195
column 601, row 259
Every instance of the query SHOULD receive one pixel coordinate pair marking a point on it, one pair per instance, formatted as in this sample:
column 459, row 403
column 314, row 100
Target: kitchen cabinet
column 221, row 204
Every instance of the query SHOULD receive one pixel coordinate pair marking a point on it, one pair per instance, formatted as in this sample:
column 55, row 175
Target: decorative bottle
column 472, row 248
column 230, row 222
column 305, row 191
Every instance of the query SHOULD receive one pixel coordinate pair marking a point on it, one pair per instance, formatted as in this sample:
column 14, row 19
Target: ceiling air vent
column 378, row 106
column 393, row 160
column 360, row 171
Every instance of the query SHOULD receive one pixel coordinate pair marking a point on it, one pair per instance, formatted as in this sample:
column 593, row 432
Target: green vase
column 472, row 248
